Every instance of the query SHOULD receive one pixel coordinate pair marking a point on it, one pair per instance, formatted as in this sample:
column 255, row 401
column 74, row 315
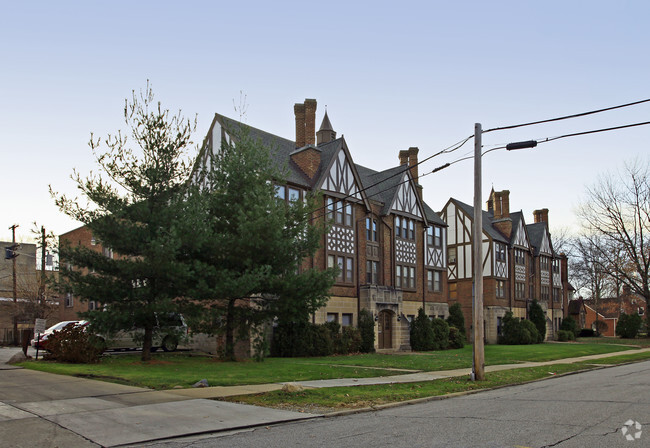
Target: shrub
column 456, row 318
column 565, row 336
column 456, row 338
column 422, row 338
column 440, row 334
column 586, row 333
column 518, row 332
column 569, row 324
column 367, row 331
column 73, row 344
column 322, row 343
column 529, row 333
column 291, row 339
column 347, row 341
column 629, row 325
column 538, row 318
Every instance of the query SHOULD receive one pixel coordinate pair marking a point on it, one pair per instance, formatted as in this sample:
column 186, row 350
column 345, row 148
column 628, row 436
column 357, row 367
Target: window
column 371, row 229
column 543, row 263
column 108, row 252
column 294, row 195
column 556, row 266
column 434, row 281
column 500, row 252
column 405, row 277
column 499, row 326
column 520, row 290
column 372, row 272
column 330, row 208
column 339, row 211
column 501, row 289
column 69, row 301
column 332, row 317
column 405, row 228
column 346, row 319
column 556, row 294
column 345, row 265
column 544, row 293
column 93, row 241
column 285, row 193
column 452, row 255
column 520, row 256
column 437, row 240
column 92, row 305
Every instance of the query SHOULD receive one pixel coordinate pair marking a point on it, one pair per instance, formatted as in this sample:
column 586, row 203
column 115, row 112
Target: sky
column 391, row 74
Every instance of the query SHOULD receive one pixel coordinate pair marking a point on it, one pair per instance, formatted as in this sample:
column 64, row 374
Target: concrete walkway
column 46, row 410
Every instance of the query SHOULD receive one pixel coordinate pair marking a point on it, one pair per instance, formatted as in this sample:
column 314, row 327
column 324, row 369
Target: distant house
column 609, row 310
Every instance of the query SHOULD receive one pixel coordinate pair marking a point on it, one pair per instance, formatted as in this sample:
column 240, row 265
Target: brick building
column 519, row 264
column 389, row 245
column 81, row 236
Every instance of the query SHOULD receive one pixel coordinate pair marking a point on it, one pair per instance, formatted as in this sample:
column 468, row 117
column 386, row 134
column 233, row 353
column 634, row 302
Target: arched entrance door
column 385, row 330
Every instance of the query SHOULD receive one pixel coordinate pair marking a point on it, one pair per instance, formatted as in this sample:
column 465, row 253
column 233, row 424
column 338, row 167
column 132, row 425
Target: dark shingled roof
column 536, row 235
column 488, row 219
column 281, row 150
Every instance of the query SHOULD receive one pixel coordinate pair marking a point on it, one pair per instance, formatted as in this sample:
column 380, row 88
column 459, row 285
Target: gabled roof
column 518, row 220
column 536, row 234
column 280, row 149
column 488, row 219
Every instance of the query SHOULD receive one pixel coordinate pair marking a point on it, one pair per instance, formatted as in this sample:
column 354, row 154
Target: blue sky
column 392, row 74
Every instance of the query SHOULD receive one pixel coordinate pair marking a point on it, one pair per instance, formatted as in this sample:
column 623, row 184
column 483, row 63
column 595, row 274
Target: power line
column 566, row 117
column 550, row 139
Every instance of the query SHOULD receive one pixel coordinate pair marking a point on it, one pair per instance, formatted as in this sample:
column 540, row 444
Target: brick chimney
column 409, row 158
column 541, row 215
column 299, row 111
column 310, row 122
column 413, row 162
column 502, row 220
column 403, row 157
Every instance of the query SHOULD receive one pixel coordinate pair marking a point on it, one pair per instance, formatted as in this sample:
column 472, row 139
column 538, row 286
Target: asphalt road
column 583, row 410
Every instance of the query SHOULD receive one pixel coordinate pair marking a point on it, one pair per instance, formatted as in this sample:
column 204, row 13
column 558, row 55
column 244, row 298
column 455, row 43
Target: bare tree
column 617, row 209
column 588, row 268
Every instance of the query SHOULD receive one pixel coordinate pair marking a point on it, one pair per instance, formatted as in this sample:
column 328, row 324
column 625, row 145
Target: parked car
column 41, row 343
column 166, row 336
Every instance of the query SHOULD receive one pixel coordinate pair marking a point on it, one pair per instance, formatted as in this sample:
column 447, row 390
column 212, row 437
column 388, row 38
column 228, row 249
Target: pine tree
column 249, row 247
column 133, row 209
column 537, row 317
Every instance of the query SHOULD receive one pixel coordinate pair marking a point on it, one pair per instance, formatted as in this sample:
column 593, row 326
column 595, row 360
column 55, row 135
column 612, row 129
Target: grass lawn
column 168, row 370
column 461, row 358
column 341, row 398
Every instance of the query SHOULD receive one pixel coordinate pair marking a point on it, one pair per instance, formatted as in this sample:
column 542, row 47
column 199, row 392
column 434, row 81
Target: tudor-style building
column 389, row 245
column 519, row 264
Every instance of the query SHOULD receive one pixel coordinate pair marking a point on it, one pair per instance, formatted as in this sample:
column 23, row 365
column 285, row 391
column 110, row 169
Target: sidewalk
column 47, row 410
column 74, row 412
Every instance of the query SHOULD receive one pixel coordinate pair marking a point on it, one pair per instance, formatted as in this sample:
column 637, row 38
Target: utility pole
column 41, row 287
column 13, row 261
column 478, row 368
